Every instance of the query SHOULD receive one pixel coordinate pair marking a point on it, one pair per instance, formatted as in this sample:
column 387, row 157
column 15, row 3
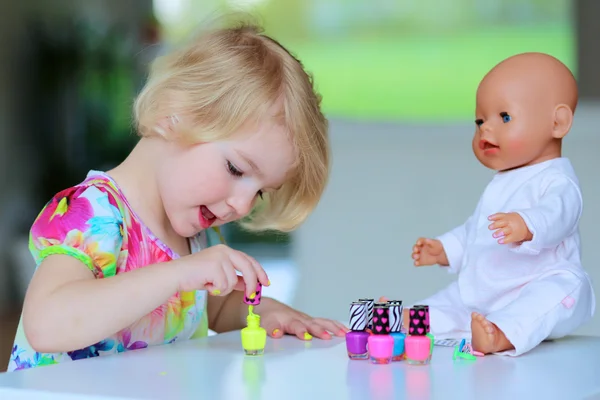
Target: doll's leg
column 548, row 308
column 449, row 317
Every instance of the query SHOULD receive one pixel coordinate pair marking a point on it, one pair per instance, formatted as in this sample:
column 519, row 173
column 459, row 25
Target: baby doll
column 520, row 278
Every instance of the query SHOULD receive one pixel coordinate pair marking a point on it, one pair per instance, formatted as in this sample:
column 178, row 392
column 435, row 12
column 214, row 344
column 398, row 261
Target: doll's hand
column 429, row 252
column 279, row 319
column 509, row 228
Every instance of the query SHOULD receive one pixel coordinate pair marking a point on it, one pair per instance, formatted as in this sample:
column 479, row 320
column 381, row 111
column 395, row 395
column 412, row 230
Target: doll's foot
column 486, row 337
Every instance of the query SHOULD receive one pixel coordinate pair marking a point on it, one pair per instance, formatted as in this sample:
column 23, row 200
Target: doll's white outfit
column 534, row 291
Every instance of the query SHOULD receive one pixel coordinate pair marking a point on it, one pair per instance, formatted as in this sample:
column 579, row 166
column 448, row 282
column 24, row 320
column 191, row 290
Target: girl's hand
column 279, row 319
column 214, row 269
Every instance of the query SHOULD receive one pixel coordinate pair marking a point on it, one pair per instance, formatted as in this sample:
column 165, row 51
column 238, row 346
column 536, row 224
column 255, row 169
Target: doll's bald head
column 525, row 106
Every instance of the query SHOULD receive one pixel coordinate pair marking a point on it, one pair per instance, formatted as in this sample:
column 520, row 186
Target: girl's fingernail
column 216, row 292
column 269, row 282
column 307, row 336
column 275, row 332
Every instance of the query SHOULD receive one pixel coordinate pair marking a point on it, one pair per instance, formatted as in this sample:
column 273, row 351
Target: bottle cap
column 370, row 304
column 359, row 316
column 381, row 320
column 396, row 317
column 416, row 325
column 426, row 321
column 254, row 299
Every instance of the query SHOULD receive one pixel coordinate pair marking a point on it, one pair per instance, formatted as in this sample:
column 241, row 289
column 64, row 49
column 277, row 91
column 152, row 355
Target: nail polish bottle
column 370, row 303
column 396, row 329
column 356, row 338
column 254, row 337
column 425, row 309
column 417, row 346
column 381, row 344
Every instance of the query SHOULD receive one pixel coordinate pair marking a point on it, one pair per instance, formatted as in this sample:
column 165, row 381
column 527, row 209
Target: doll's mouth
column 485, row 145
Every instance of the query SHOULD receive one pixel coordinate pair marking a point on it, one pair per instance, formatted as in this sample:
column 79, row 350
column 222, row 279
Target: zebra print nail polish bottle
column 356, row 338
column 396, row 310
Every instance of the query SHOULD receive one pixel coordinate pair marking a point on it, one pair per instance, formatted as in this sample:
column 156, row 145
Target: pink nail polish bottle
column 417, row 345
column 425, row 308
column 381, row 343
column 356, row 338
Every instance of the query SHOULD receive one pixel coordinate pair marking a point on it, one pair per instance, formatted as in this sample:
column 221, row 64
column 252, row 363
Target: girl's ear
column 166, row 125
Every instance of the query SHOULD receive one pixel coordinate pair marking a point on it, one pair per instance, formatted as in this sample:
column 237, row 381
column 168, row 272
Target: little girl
column 229, row 124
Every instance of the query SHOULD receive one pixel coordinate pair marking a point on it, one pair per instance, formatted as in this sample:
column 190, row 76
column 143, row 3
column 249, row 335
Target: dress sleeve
column 454, row 243
column 82, row 222
column 554, row 218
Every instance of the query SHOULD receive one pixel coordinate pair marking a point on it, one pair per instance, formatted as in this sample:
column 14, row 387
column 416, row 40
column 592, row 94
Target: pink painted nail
column 477, row 353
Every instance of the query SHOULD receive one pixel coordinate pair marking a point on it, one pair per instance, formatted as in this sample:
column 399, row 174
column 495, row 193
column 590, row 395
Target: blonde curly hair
column 227, row 77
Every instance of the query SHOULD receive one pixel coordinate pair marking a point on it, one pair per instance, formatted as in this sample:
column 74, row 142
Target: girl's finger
column 242, row 264
column 317, row 330
column 299, row 329
column 328, row 325
column 217, row 284
column 231, row 276
column 261, row 275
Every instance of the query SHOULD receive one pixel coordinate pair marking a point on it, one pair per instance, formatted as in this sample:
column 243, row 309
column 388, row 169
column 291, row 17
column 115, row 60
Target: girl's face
column 214, row 183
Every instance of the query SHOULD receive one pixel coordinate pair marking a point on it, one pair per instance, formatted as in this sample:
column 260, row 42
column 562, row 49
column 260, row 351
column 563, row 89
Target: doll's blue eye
column 505, row 117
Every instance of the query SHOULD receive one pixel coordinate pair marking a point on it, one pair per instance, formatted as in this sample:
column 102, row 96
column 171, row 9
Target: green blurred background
column 409, row 60
column 412, row 61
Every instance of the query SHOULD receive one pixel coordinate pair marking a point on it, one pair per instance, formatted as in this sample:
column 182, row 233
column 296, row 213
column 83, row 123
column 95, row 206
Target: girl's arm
column 67, row 309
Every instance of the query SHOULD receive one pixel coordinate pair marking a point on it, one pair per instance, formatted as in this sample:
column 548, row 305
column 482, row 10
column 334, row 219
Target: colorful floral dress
column 94, row 223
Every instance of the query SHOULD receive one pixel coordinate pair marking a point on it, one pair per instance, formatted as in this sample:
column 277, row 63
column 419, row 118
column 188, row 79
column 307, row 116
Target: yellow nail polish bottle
column 254, row 337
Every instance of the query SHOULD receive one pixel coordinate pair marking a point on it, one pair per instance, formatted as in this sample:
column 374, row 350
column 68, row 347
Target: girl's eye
column 233, row 170
column 478, row 122
column 505, row 117
column 260, row 194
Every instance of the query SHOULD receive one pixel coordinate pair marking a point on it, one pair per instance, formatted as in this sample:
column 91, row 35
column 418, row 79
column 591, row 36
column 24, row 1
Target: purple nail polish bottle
column 357, row 337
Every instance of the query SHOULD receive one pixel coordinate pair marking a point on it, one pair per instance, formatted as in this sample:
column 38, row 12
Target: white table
column 216, row 368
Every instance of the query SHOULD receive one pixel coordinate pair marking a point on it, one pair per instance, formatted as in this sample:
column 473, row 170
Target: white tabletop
column 216, row 368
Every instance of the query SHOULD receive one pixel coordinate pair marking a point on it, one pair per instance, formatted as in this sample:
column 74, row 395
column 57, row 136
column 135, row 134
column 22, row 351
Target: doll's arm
column 554, row 218
column 454, row 243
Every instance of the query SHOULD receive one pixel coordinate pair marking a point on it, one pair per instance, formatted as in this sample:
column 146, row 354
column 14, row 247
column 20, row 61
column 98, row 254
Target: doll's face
column 513, row 121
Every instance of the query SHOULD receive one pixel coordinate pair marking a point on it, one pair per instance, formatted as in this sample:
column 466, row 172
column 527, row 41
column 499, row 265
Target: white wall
column 391, row 183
